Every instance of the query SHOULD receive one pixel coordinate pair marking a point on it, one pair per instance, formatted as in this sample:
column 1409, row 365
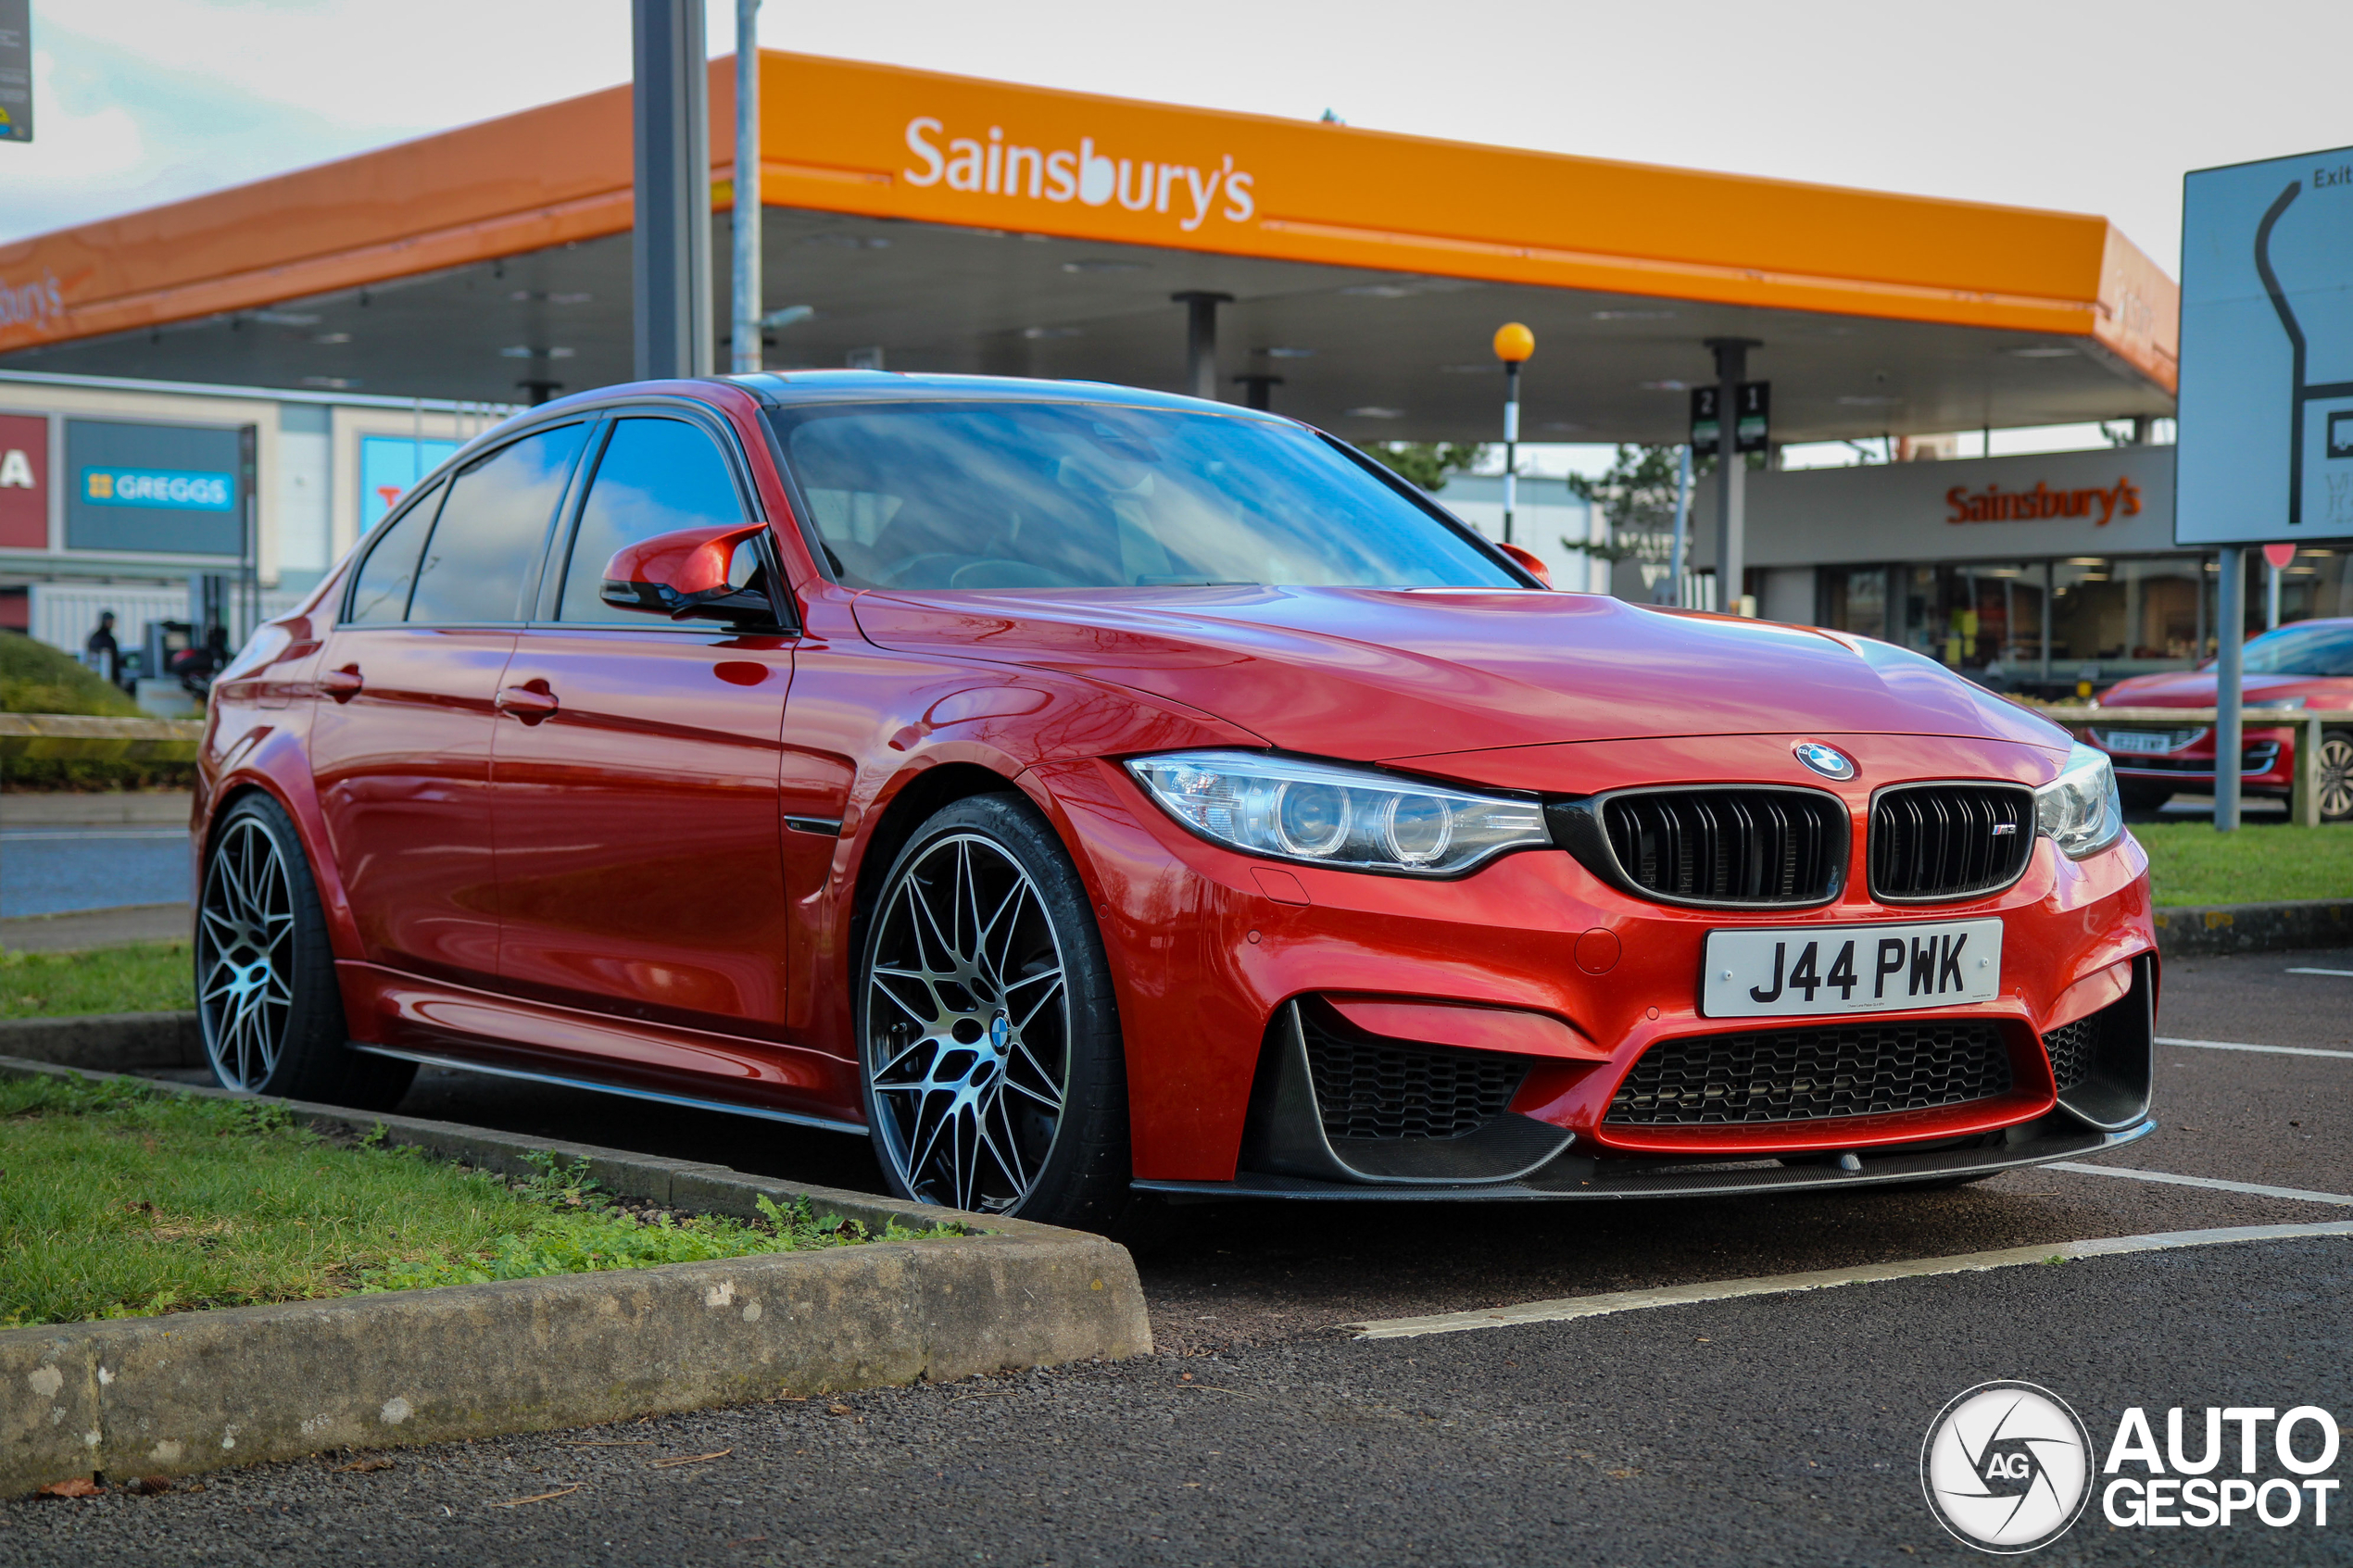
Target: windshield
column 1090, row 496
column 2325, row 649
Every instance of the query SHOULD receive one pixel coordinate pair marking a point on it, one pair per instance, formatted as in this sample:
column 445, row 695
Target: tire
column 2336, row 776
column 2138, row 796
column 266, row 992
column 989, row 1039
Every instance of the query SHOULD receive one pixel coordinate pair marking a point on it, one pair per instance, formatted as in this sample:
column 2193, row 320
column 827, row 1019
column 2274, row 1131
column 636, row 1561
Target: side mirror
column 696, row 573
column 1529, row 562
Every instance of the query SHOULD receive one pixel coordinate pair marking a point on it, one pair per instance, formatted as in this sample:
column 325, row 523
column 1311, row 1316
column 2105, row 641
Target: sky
column 2060, row 104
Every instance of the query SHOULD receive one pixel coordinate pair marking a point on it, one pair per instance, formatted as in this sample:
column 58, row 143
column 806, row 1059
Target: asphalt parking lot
column 1772, row 1428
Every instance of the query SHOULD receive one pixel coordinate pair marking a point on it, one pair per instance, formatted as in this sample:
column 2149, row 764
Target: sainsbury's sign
column 992, row 164
column 1994, row 504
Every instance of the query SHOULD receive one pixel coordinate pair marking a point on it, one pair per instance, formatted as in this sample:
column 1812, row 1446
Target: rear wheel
column 266, row 992
column 987, row 1033
column 2335, row 785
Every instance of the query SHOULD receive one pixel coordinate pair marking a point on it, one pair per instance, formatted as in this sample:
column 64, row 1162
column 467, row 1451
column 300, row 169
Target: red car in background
column 1082, row 792
column 2306, row 665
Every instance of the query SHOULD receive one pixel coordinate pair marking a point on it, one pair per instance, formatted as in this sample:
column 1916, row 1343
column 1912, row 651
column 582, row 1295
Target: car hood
column 2196, row 688
column 1369, row 674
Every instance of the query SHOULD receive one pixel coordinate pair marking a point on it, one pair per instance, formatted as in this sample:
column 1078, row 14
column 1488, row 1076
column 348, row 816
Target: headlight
column 2078, row 810
column 1322, row 815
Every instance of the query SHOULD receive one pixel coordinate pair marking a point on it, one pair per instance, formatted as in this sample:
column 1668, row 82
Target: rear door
column 636, row 768
column 401, row 753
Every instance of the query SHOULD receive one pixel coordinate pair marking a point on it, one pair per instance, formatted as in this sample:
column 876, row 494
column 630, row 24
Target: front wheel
column 2335, row 783
column 988, row 1036
column 266, row 992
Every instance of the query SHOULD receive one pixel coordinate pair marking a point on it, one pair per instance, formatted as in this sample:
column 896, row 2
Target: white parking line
column 1572, row 1307
column 2242, row 1045
column 2304, row 1195
column 2346, row 973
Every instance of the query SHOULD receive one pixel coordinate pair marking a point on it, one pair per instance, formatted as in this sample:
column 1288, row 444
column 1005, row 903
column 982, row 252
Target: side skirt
column 725, row 1106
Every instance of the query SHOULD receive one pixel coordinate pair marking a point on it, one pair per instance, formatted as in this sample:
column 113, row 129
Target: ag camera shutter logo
column 2006, row 1467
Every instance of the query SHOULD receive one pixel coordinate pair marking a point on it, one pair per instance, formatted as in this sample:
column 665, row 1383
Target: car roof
column 786, row 387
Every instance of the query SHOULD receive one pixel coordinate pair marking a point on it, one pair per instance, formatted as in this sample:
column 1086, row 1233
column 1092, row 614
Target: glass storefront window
column 2108, row 616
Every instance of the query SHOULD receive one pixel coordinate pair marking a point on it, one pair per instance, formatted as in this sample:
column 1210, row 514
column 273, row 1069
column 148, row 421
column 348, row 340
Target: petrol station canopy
column 939, row 222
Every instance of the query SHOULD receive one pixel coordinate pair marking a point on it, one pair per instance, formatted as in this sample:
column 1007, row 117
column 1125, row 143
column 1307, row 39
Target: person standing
column 101, row 652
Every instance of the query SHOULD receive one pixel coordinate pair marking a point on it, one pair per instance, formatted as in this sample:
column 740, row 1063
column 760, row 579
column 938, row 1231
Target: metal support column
column 1677, row 556
column 744, row 356
column 670, row 247
column 1201, row 339
column 2050, row 581
column 1258, row 389
column 1511, row 443
column 2230, row 634
column 1731, row 514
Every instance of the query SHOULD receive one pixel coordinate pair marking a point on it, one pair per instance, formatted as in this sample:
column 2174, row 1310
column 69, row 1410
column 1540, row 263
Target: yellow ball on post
column 1514, row 342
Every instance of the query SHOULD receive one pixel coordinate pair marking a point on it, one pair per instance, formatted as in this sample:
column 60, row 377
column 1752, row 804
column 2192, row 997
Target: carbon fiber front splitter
column 1574, row 1176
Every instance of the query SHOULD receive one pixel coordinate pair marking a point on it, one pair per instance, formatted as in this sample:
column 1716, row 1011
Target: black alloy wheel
column 988, row 1036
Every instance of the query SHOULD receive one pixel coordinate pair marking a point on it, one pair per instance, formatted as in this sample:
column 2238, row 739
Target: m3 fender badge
column 1826, row 761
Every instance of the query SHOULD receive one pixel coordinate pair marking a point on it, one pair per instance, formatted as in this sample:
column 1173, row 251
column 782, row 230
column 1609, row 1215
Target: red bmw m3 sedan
column 1083, row 791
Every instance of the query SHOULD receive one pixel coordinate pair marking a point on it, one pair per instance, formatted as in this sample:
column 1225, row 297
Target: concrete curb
column 200, row 1391
column 106, row 1041
column 2254, row 928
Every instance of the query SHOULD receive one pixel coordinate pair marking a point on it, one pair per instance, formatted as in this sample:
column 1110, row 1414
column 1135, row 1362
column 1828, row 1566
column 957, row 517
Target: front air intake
column 1939, row 843
column 1737, row 846
column 1811, row 1074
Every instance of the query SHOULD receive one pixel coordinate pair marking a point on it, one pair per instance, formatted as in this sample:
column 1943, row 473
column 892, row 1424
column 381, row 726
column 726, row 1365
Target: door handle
column 342, row 684
column 531, row 702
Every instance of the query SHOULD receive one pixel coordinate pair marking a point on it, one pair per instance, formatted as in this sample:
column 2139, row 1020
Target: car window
column 1086, row 495
column 379, row 591
column 2325, row 649
column 492, row 529
column 656, row 476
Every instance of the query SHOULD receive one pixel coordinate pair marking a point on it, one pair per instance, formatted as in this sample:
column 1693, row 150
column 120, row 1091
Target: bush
column 36, row 678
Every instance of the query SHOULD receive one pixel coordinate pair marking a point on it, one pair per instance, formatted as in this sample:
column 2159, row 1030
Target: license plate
column 2142, row 740
column 1851, row 969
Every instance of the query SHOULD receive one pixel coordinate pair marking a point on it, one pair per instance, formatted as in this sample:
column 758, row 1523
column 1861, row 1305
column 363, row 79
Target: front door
column 636, row 802
column 400, row 744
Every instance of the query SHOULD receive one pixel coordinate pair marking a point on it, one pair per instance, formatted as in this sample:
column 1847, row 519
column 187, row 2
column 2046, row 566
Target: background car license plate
column 1851, row 969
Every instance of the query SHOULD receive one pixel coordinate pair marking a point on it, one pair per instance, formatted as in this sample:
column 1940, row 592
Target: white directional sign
column 2266, row 436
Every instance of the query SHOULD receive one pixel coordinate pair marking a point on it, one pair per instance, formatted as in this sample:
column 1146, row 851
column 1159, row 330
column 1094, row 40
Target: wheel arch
column 281, row 774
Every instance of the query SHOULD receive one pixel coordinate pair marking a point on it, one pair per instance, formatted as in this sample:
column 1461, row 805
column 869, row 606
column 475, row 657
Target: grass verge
column 144, row 977
column 2190, row 863
column 120, row 1200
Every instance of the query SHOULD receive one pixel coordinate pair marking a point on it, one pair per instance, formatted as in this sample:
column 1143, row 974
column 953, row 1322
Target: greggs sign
column 1994, row 504
column 1092, row 176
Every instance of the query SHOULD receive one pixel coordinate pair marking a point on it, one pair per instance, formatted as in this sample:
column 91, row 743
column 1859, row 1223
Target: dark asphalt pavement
column 1771, row 1429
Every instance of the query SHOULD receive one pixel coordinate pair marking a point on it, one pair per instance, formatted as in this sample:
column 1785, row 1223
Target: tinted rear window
column 380, row 591
column 487, row 544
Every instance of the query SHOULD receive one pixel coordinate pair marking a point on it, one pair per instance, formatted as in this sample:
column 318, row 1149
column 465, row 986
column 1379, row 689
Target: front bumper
column 1573, row 1177
column 1208, row 947
column 2266, row 761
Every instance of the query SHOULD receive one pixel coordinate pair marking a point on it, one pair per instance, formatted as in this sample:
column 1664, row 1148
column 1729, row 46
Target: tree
column 1428, row 464
column 1637, row 494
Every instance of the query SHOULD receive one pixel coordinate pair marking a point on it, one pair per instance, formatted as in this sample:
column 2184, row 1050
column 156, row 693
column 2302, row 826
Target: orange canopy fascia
column 879, row 141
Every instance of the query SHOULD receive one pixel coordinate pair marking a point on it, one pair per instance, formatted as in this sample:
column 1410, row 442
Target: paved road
column 1781, row 1428
column 64, row 852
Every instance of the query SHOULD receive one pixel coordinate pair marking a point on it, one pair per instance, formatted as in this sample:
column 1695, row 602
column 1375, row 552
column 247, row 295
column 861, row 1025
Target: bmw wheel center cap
column 1826, row 761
